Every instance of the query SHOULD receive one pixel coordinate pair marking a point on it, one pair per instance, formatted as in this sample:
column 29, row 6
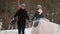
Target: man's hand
column 13, row 19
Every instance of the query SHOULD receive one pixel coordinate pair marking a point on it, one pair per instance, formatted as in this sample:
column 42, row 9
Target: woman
column 42, row 25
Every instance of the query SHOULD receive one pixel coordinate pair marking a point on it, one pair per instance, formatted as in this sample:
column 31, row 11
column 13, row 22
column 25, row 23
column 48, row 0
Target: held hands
column 30, row 20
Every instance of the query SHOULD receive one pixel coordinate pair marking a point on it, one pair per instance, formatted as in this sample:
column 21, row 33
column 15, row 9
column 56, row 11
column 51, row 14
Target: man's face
column 23, row 7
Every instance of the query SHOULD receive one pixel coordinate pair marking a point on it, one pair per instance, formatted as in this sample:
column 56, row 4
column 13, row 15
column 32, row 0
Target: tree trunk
column 5, row 16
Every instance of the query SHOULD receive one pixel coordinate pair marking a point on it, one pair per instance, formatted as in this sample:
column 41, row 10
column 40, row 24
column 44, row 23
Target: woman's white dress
column 45, row 27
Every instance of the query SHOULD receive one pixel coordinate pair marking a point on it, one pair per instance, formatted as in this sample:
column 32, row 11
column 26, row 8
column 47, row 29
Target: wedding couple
column 41, row 25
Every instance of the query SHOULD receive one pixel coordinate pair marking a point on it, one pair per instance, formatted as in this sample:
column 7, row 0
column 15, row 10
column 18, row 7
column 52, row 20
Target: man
column 22, row 16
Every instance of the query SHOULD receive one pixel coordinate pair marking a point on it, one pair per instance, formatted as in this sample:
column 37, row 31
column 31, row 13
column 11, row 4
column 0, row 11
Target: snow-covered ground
column 0, row 25
column 58, row 30
column 27, row 31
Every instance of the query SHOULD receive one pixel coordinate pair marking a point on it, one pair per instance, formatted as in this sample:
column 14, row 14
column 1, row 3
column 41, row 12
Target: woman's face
column 40, row 10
